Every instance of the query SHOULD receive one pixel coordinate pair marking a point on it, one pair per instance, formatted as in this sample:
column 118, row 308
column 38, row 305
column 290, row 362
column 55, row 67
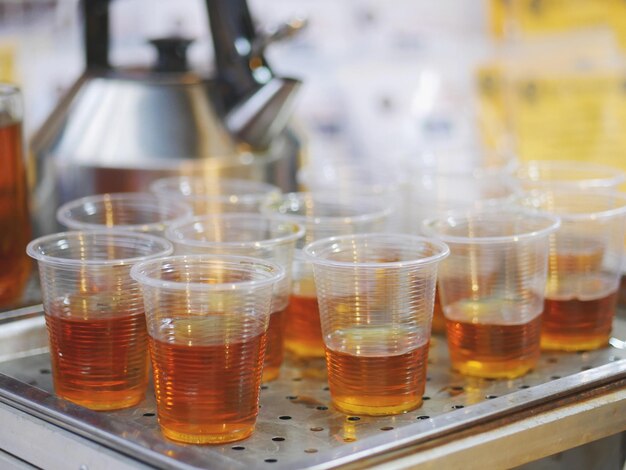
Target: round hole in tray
column 489, row 379
column 310, row 451
column 349, row 439
column 423, row 417
column 238, row 448
column 284, row 418
column 278, row 439
column 457, row 388
column 44, row 371
column 321, row 408
column 584, row 368
column 32, row 382
column 149, row 414
column 427, row 379
column 524, row 386
column 326, row 389
column 457, row 407
column 491, row 397
column 554, row 377
column 291, row 397
column 297, row 379
column 426, row 398
column 386, row 428
column 316, row 429
column 264, row 387
column 353, row 418
column 270, row 460
column 552, row 360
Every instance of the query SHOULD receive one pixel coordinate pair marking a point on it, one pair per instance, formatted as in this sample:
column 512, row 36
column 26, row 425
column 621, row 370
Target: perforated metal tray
column 297, row 426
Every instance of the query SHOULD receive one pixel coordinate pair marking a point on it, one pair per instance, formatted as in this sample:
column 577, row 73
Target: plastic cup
column 135, row 212
column 254, row 235
column 491, row 289
column 207, row 318
column 566, row 174
column 584, row 268
column 376, row 294
column 216, row 195
column 322, row 216
column 94, row 314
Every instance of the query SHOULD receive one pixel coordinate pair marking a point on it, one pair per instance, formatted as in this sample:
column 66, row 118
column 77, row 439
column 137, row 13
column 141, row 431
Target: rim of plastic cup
column 174, row 229
column 183, row 211
column 417, row 163
column 270, row 209
column 309, row 250
column 138, row 273
column 614, row 176
column 257, row 190
column 552, row 224
column 576, row 193
column 33, row 252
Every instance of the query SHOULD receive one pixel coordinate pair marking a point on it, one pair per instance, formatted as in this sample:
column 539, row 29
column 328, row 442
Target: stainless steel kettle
column 117, row 130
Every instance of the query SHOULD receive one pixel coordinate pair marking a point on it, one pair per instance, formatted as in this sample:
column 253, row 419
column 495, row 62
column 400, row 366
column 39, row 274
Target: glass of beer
column 15, row 231
column 376, row 295
column 213, row 195
column 135, row 212
column 564, row 174
column 207, row 320
column 94, row 314
column 322, row 216
column 584, row 266
column 254, row 235
column 492, row 288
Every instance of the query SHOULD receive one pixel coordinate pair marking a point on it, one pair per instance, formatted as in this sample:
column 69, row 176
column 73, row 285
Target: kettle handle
column 96, row 18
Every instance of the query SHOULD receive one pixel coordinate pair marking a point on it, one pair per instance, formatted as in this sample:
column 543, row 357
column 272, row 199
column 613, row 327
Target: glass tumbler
column 376, row 294
column 254, row 235
column 94, row 314
column 492, row 288
column 584, row 266
column 207, row 319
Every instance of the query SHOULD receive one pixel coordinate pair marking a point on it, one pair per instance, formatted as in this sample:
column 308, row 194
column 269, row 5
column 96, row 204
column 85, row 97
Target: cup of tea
column 376, row 295
column 207, row 319
column 585, row 265
column 94, row 314
column 135, row 212
column 492, row 288
column 322, row 216
column 213, row 195
column 254, row 235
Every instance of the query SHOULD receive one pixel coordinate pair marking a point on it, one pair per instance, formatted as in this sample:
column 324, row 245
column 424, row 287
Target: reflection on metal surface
column 297, row 425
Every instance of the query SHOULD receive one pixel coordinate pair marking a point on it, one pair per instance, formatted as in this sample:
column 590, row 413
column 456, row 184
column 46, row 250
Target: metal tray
column 297, row 426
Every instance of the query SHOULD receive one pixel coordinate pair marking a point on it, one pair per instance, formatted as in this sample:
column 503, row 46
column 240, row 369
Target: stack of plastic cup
column 95, row 314
column 215, row 195
column 135, row 212
column 322, row 216
column 376, row 294
column 207, row 319
column 492, row 288
column 253, row 235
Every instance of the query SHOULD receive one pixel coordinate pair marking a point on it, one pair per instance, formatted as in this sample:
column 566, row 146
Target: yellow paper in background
column 8, row 53
column 492, row 115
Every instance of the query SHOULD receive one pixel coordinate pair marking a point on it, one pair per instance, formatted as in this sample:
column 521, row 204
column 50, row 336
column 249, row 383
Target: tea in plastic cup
column 585, row 266
column 492, row 288
column 215, row 195
column 94, row 314
column 207, row 319
column 135, row 212
column 322, row 216
column 254, row 235
column 376, row 294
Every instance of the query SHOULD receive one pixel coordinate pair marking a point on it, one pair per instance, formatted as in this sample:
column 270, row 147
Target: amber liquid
column 492, row 350
column 377, row 385
column 303, row 330
column 208, row 394
column 99, row 363
column 578, row 325
column 439, row 321
column 274, row 348
column 14, row 219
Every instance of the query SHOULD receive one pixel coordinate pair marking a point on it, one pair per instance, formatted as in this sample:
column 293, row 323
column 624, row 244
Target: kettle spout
column 262, row 115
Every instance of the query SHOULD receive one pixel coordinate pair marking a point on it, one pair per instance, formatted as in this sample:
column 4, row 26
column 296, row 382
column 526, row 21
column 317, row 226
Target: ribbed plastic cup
column 564, row 174
column 584, row 268
column 376, row 294
column 94, row 314
column 322, row 216
column 207, row 319
column 216, row 195
column 135, row 212
column 491, row 289
column 254, row 235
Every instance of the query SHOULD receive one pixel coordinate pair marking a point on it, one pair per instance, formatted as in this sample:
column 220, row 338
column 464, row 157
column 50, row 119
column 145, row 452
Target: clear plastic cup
column 584, row 266
column 254, row 235
column 376, row 294
column 322, row 216
column 135, row 212
column 94, row 314
column 216, row 195
column 564, row 174
column 207, row 319
column 491, row 288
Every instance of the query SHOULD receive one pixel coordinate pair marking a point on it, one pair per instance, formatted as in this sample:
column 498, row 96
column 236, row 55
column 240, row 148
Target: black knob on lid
column 172, row 54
